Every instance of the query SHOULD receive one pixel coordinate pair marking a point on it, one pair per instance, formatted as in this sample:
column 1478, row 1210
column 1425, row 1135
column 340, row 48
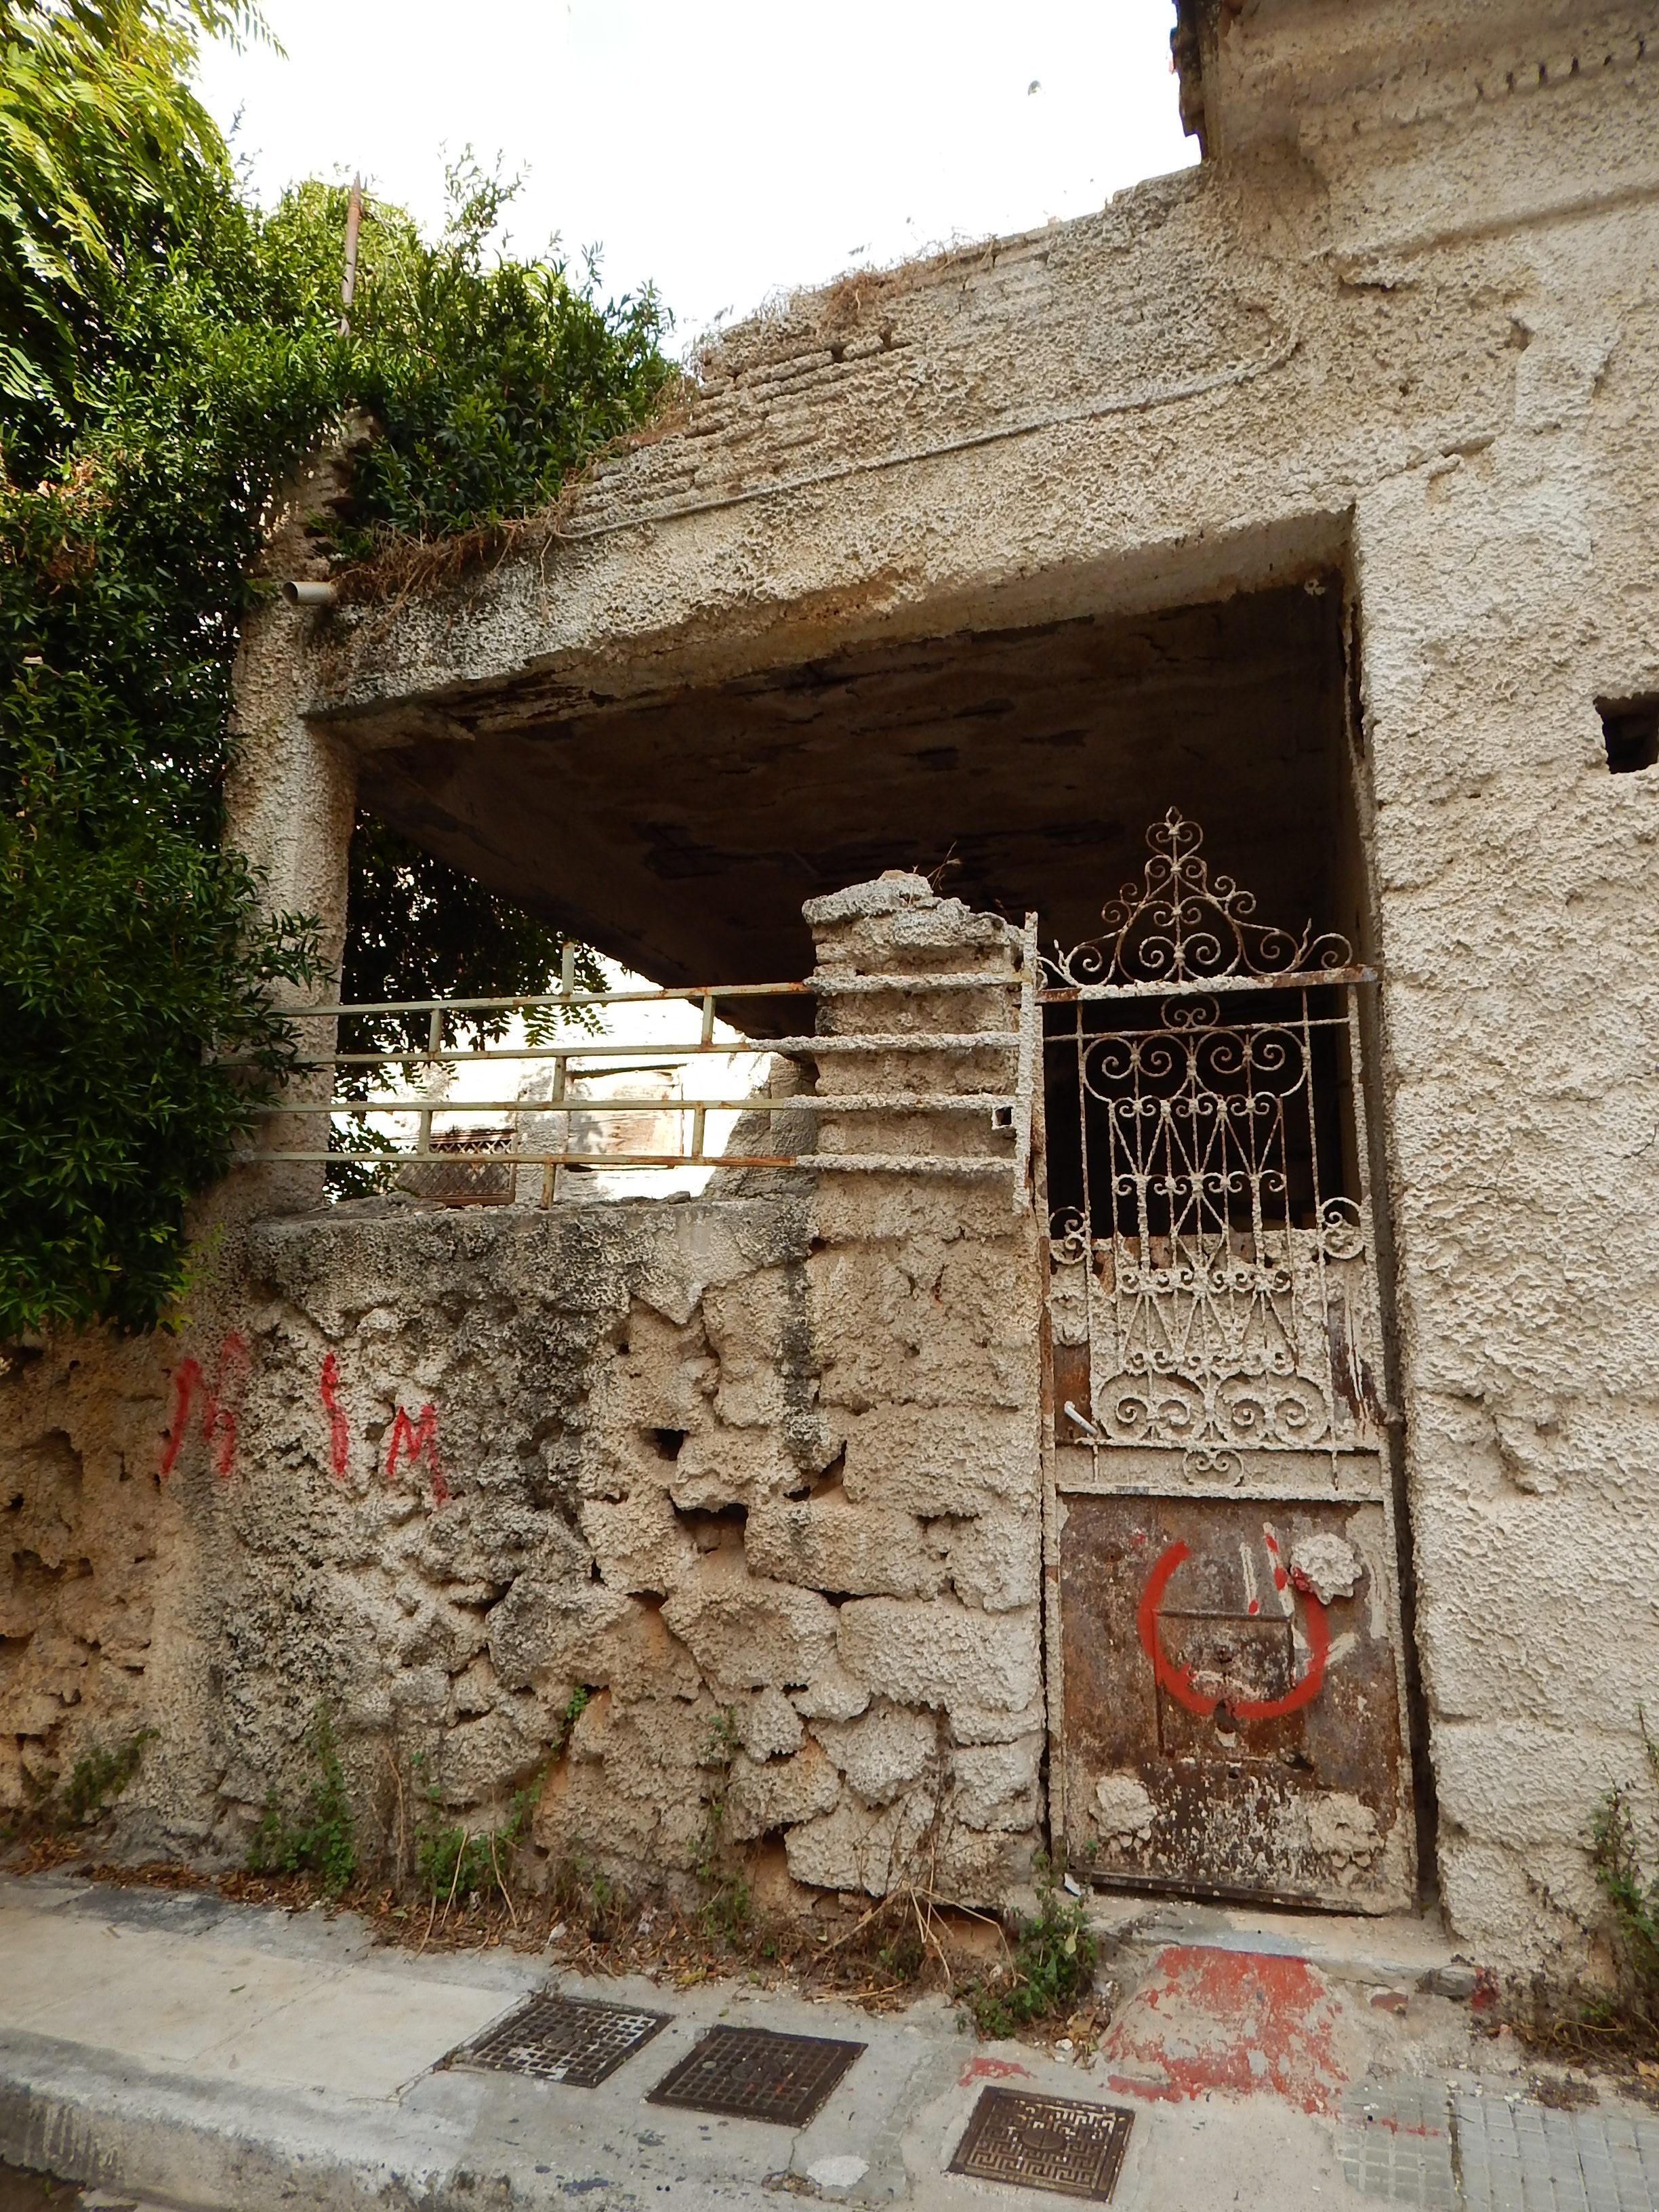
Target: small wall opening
column 1630, row 729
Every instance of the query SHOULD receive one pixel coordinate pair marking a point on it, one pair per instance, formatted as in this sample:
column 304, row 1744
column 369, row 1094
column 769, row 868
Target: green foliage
column 453, row 1861
column 167, row 351
column 320, row 1840
column 419, row 929
column 583, row 1893
column 131, row 947
column 493, row 382
column 99, row 1778
column 102, row 145
column 1631, row 1889
column 727, row 1905
column 1053, row 1964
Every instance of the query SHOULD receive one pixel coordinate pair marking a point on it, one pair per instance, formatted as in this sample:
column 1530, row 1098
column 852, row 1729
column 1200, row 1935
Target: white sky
column 726, row 149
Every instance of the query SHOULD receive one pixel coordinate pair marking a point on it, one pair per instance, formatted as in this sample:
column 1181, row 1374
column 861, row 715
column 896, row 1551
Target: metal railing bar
column 1299, row 980
column 694, row 992
column 817, row 986
column 837, row 987
column 1028, row 1069
column 785, row 1047
column 1231, row 1025
column 434, row 1047
column 872, row 1163
column 811, row 1102
column 700, row 1115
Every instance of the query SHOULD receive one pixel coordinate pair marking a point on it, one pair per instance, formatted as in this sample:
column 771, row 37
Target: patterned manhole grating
column 558, row 2038
column 752, row 2074
column 1044, row 2142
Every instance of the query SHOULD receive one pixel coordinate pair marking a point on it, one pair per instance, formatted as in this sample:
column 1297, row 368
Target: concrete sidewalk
column 173, row 2048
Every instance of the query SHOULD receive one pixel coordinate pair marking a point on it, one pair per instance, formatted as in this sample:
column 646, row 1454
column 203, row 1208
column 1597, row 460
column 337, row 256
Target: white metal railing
column 578, row 1059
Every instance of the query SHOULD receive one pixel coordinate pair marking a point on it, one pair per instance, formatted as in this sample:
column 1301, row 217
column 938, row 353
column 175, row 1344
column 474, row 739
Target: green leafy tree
column 104, row 154
column 421, row 929
column 166, row 352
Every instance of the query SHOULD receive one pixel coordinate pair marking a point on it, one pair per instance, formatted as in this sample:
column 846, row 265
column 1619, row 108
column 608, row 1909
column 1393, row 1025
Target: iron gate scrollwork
column 1215, row 1335
column 1213, row 1265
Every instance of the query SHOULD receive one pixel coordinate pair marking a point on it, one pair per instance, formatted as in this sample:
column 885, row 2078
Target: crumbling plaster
column 758, row 1472
column 1187, row 391
column 1405, row 320
column 1408, row 320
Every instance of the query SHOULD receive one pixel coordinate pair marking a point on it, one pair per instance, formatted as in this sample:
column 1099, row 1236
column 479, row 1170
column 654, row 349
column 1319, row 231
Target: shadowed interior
column 681, row 833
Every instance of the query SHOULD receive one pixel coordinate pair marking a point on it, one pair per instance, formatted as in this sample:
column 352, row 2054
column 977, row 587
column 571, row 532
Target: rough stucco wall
column 291, row 801
column 763, row 1463
column 1502, row 597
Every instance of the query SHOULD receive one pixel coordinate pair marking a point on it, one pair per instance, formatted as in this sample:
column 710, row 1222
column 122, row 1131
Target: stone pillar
column 924, row 1297
column 291, row 801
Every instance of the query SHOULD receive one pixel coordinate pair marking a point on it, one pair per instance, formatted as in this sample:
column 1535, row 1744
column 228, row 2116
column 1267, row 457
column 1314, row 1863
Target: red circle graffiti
column 1178, row 1681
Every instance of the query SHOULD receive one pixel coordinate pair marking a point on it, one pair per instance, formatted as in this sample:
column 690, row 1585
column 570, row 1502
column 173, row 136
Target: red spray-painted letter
column 219, row 1403
column 417, row 1441
column 339, row 1435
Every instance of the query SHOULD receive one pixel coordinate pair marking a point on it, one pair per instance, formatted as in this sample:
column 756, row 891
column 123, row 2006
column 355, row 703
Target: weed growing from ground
column 320, row 1840
column 1631, row 1889
column 586, row 1898
column 453, row 1861
column 96, row 1782
column 1619, row 2026
column 100, row 1777
column 725, row 1908
column 1052, row 1965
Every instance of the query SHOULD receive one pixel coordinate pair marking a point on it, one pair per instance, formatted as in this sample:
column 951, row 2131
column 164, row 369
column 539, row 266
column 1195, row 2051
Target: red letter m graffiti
column 418, row 1441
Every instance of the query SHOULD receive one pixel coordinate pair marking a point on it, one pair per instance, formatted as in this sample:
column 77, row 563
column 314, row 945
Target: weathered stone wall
column 1406, row 319
column 759, row 1471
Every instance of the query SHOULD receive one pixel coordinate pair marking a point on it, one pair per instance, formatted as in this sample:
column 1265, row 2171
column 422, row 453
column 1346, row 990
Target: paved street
column 172, row 2048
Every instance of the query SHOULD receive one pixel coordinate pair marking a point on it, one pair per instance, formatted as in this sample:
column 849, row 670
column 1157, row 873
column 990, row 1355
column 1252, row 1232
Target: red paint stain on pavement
column 991, row 2070
column 1238, row 2020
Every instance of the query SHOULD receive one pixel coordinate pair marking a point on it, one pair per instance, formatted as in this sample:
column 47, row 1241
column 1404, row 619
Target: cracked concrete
column 289, row 2057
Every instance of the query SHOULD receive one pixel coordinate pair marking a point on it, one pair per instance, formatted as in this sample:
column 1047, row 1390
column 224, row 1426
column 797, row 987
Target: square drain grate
column 750, row 2074
column 1044, row 2142
column 556, row 2038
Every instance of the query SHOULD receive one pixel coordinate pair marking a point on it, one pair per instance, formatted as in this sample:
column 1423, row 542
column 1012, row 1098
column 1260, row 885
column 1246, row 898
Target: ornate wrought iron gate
column 1226, row 1685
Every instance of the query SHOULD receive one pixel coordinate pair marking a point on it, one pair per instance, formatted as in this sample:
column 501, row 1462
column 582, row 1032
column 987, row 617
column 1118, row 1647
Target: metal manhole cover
column 750, row 2074
column 558, row 2038
column 1045, row 2143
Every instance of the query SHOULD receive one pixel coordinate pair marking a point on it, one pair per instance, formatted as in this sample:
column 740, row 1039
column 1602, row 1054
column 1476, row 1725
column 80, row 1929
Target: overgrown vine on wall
column 167, row 352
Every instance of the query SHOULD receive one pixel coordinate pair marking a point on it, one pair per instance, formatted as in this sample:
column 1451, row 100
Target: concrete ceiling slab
column 682, row 834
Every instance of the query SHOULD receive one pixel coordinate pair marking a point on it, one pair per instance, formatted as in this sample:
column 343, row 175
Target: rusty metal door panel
column 1227, row 1729
column 1227, row 1712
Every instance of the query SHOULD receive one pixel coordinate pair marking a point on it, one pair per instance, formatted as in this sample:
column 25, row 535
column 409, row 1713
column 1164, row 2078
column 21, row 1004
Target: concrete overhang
column 680, row 831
